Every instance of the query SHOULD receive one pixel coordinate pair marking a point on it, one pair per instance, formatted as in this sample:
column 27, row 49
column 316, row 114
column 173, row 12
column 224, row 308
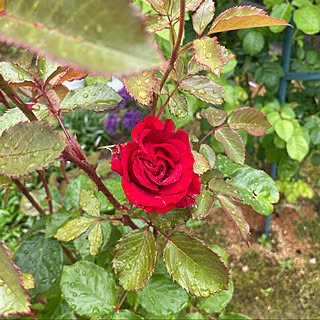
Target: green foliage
column 294, row 189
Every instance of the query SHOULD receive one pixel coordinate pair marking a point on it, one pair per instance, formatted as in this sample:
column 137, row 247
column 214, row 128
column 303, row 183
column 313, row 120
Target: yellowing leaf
column 95, row 237
column 202, row 17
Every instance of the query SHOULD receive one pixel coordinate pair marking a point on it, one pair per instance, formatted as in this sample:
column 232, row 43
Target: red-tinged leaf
column 204, row 204
column 201, row 164
column 177, row 71
column 154, row 22
column 71, row 74
column 15, row 75
column 214, row 116
column 57, row 94
column 226, row 56
column 191, row 5
column 204, row 88
column 250, row 119
column 140, row 86
column 207, row 51
column 221, row 186
column 232, row 144
column 244, row 17
column 91, row 35
column 161, row 6
column 46, row 68
column 2, row 5
column 14, row 298
column 233, row 209
column 203, row 16
column 209, row 154
column 194, row 67
column 178, row 106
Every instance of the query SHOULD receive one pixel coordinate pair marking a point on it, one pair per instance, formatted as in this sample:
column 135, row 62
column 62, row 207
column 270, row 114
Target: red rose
column 157, row 167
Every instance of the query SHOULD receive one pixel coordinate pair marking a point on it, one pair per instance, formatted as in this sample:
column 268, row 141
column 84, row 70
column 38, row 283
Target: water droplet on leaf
column 142, row 93
column 20, row 76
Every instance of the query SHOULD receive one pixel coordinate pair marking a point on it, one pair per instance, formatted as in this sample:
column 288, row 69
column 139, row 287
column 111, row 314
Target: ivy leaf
column 190, row 5
column 233, row 210
column 88, row 289
column 161, row 296
column 89, row 203
column 203, row 88
column 208, row 153
column 214, row 116
column 95, row 237
column 110, row 39
column 140, row 86
column 250, row 119
column 194, row 266
column 46, row 68
column 204, row 204
column 232, row 144
column 161, row 6
column 169, row 220
column 97, row 97
column 221, row 186
column 207, row 51
column 74, row 228
column 178, row 106
column 134, row 259
column 203, row 16
column 27, row 147
column 43, row 259
column 154, row 22
column 14, row 298
column 15, row 115
column 243, row 17
column 201, row 164
column 297, row 146
column 15, row 75
column 284, row 128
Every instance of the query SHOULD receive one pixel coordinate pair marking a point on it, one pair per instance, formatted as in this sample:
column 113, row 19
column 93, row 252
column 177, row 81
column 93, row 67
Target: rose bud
column 157, row 167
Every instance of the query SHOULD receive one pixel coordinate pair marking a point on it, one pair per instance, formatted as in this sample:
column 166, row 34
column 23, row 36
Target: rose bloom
column 157, row 167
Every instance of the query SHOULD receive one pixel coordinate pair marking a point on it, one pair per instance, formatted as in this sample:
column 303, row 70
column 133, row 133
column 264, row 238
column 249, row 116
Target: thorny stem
column 210, row 132
column 121, row 302
column 174, row 54
column 24, row 190
column 45, row 184
column 171, row 29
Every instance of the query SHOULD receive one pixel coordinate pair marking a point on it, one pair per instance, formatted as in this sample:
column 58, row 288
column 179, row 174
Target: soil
column 278, row 283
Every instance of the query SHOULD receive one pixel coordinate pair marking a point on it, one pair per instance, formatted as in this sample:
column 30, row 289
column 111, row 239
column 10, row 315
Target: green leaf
column 109, row 39
column 169, row 220
column 221, row 186
column 287, row 168
column 233, row 316
column 307, row 19
column 201, row 164
column 214, row 116
column 232, row 144
column 208, row 153
column 256, row 187
column 195, row 316
column 194, row 266
column 204, row 204
column 243, row 17
column 14, row 298
column 97, row 97
column 72, row 193
column 125, row 315
column 250, row 119
column 253, row 42
column 46, row 68
column 154, row 22
column 161, row 6
column 15, row 74
column 57, row 220
column 140, row 86
column 15, row 115
column 89, row 203
column 190, row 5
column 297, row 146
column 203, row 16
column 134, row 259
column 178, row 106
column 43, row 259
column 233, row 210
column 284, row 128
column 115, row 187
column 282, row 11
column 218, row 302
column 95, row 237
column 194, row 67
column 28, row 146
column 88, row 289
column 207, row 51
column 203, row 88
column 74, row 228
column 161, row 296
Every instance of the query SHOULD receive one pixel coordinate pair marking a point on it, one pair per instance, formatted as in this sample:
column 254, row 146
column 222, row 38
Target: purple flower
column 125, row 95
column 131, row 118
column 112, row 123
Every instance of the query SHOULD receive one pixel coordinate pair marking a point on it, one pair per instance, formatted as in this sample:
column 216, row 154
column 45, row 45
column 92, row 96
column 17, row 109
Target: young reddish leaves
column 203, row 16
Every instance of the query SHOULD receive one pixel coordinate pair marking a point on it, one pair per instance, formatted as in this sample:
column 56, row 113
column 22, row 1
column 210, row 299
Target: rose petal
column 186, row 201
column 173, row 152
column 158, row 210
column 173, row 176
column 168, row 125
column 140, row 174
column 115, row 160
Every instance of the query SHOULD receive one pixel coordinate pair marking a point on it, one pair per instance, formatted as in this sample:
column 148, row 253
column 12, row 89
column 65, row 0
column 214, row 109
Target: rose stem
column 210, row 132
column 174, row 54
column 121, row 302
column 4, row 100
column 69, row 254
column 24, row 190
column 45, row 184
column 63, row 171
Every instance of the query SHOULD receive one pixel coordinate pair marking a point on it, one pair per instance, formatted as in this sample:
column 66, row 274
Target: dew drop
column 193, row 287
column 134, row 248
column 15, row 146
column 142, row 93
column 78, row 279
column 98, row 239
column 144, row 73
column 208, row 54
column 85, row 95
column 201, row 91
column 118, row 265
column 128, row 267
column 152, row 301
column 91, row 243
column 73, row 307
column 124, row 260
column 146, row 81
column 97, row 206
column 179, row 263
column 77, row 270
column 56, row 147
column 172, row 301
column 84, row 225
column 35, row 154
column 91, row 274
column 91, row 212
column 8, row 291
column 72, row 284
column 138, row 82
column 74, row 294
column 1, row 282
column 84, row 204
column 211, row 9
column 204, row 293
column 95, row 310
column 20, row 76
column 41, row 129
